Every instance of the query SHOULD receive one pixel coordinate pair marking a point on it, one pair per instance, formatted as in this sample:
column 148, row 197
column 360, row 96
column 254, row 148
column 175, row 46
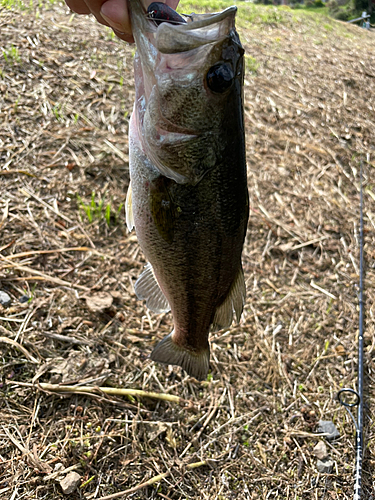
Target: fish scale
column 188, row 197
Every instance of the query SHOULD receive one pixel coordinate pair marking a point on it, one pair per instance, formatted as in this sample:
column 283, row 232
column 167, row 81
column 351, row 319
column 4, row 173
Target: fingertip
column 124, row 36
column 78, row 6
column 115, row 12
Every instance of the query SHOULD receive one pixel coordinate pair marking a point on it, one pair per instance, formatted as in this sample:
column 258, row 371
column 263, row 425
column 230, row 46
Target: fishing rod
column 358, row 394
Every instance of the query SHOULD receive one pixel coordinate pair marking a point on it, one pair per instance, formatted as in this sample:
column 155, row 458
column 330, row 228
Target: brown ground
column 65, row 100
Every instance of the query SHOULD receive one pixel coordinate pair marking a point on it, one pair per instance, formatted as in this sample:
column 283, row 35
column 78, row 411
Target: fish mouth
column 202, row 29
column 168, row 47
column 170, row 38
column 170, row 67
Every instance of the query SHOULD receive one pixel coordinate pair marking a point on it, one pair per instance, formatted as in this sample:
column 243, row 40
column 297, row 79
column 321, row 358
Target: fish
column 188, row 197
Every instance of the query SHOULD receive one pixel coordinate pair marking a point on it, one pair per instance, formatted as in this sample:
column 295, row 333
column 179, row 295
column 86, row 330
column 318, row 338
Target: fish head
column 189, row 80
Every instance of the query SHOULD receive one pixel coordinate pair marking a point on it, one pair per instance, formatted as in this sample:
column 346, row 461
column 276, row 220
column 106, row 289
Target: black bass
column 188, row 198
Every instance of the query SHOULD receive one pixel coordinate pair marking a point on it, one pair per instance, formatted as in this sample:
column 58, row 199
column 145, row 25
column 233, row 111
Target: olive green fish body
column 189, row 198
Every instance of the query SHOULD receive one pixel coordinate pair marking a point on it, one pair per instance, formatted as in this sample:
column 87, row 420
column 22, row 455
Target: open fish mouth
column 183, row 72
column 155, row 41
column 201, row 29
column 172, row 37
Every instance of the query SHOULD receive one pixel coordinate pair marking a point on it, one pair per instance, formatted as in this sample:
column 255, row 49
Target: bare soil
column 66, row 94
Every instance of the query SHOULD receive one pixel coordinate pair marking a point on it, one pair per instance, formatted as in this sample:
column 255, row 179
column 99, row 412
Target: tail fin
column 195, row 364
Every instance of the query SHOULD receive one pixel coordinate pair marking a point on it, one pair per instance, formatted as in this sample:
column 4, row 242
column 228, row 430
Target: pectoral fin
column 147, row 288
column 233, row 303
column 196, row 364
column 162, row 208
column 129, row 208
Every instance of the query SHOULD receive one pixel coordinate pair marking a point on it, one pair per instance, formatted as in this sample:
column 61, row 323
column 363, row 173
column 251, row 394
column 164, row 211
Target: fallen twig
column 153, row 480
column 46, row 277
column 18, row 346
column 113, row 391
column 11, row 172
column 317, row 287
column 64, row 338
column 57, row 250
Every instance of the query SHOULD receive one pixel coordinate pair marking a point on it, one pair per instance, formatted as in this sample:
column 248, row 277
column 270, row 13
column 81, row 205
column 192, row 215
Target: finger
column 113, row 13
column 78, row 6
column 95, row 6
column 124, row 36
column 116, row 14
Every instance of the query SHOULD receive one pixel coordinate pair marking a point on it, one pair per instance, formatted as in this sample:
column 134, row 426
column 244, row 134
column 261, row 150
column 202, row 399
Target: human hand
column 112, row 13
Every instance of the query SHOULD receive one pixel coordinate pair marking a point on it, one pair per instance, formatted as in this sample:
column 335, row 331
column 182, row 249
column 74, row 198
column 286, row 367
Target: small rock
column 70, row 483
column 5, row 300
column 328, row 427
column 325, row 466
column 99, row 302
column 59, row 467
column 24, row 299
column 320, row 450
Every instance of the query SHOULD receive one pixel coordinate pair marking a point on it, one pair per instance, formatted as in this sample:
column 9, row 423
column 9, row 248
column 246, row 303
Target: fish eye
column 220, row 77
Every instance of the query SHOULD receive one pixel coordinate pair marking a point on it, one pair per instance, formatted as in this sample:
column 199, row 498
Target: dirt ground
column 69, row 264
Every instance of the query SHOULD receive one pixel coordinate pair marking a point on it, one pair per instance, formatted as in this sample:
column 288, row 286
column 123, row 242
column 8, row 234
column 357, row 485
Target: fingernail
column 112, row 23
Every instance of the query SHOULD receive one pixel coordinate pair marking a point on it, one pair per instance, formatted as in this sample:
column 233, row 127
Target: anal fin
column 233, row 303
column 147, row 288
column 196, row 364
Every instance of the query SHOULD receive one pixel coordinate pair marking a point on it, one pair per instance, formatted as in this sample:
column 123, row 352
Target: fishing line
column 160, row 12
column 158, row 19
column 344, row 395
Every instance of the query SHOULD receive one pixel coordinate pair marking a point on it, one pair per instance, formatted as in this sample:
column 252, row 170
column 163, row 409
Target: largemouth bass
column 188, row 197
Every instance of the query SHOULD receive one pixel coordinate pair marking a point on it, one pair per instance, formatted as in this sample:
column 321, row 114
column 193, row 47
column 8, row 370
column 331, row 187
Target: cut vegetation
column 249, row 431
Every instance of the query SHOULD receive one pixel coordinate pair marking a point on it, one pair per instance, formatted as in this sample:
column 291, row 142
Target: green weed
column 329, row 306
column 12, row 4
column 97, row 210
column 27, row 5
column 247, row 12
column 251, row 15
column 57, row 112
column 110, row 35
column 30, row 293
column 11, row 55
column 252, row 64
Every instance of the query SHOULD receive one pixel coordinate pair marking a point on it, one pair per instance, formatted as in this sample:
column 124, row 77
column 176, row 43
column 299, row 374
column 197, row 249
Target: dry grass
column 66, row 93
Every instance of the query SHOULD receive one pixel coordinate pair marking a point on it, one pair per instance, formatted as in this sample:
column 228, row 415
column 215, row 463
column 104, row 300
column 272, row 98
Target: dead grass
column 66, row 93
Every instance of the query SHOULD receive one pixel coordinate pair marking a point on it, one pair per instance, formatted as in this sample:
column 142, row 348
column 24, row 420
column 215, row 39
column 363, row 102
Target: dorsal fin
column 147, row 288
